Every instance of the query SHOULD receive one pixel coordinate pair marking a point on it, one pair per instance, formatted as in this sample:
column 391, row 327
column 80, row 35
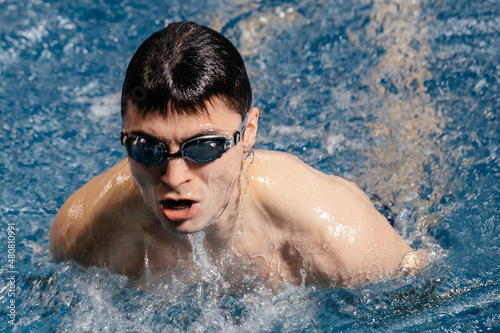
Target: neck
column 222, row 232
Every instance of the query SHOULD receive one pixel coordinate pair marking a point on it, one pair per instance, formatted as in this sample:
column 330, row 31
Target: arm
column 95, row 225
column 330, row 224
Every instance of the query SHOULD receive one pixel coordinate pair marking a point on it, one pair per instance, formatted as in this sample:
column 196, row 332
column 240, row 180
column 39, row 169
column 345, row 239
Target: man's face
column 184, row 195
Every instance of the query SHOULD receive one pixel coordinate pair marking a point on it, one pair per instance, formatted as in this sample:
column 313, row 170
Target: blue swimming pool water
column 401, row 97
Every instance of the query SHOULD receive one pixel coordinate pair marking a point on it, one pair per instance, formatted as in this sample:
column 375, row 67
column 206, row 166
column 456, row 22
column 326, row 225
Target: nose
column 176, row 173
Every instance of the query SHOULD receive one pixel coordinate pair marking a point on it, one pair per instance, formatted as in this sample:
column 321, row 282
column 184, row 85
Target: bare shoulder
column 328, row 220
column 292, row 179
column 91, row 223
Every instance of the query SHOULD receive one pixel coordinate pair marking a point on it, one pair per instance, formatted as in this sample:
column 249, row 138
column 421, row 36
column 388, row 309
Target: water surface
column 401, row 97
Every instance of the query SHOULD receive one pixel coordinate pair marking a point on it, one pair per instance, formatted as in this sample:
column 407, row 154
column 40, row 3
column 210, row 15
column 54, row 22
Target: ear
column 251, row 130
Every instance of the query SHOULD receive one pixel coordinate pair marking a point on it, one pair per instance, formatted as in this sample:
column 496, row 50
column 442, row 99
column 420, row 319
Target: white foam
column 105, row 106
column 334, row 142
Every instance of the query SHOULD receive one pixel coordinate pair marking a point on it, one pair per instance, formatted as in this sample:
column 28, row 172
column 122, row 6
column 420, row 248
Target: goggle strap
column 237, row 134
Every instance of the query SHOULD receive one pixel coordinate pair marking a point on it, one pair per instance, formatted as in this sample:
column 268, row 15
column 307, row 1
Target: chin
column 183, row 228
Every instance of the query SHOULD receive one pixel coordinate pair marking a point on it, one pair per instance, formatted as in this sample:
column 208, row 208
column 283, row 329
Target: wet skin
column 270, row 210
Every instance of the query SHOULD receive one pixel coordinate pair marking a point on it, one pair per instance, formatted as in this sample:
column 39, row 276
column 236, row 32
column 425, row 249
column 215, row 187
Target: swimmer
column 189, row 131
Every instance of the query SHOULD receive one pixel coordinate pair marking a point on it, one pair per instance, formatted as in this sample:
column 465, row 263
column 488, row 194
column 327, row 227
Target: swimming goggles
column 202, row 149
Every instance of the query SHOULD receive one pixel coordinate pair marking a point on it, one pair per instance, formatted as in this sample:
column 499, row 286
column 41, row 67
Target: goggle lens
column 145, row 151
column 204, row 150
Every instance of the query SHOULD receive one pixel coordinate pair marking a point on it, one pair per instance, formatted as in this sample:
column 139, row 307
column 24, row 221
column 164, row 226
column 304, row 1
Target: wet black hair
column 183, row 67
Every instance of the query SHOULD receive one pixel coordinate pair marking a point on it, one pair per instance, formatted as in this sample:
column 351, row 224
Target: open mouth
column 179, row 210
column 177, row 204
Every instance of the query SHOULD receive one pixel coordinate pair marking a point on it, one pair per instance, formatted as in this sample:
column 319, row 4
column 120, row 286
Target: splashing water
column 399, row 96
